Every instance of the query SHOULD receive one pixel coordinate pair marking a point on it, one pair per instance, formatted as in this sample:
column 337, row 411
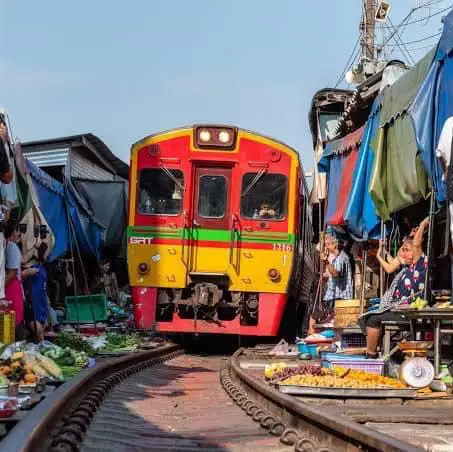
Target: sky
column 123, row 70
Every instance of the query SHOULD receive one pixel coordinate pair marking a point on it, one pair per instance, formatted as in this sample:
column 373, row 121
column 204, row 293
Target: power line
column 418, row 40
column 400, row 44
column 350, row 60
column 421, row 20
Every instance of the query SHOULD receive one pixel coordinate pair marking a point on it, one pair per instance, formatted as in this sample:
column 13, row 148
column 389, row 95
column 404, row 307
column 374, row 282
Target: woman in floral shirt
column 406, row 286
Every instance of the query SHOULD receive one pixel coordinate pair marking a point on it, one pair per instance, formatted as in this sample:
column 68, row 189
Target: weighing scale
column 416, row 370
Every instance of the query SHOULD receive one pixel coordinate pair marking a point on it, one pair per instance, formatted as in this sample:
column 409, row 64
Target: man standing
column 338, row 272
column 6, row 177
column 339, row 284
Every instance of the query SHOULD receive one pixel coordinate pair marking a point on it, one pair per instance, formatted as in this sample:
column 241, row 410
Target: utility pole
column 367, row 29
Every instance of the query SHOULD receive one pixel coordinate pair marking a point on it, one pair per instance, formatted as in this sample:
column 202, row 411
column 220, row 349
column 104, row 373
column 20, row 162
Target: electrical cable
column 401, row 45
column 416, row 41
column 350, row 61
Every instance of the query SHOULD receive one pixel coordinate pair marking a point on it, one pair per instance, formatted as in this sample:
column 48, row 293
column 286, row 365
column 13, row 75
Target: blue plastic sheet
column 432, row 105
column 50, row 195
column 360, row 215
column 72, row 225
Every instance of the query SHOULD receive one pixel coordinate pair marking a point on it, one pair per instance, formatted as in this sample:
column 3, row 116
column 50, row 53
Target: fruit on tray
column 343, row 378
column 18, row 370
column 419, row 303
column 302, row 369
column 271, row 369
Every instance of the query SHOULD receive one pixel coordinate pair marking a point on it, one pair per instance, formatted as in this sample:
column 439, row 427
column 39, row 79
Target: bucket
column 311, row 349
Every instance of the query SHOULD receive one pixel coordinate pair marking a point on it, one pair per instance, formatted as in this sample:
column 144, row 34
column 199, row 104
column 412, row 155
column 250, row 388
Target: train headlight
column 224, row 137
column 212, row 137
column 143, row 268
column 274, row 274
column 205, row 136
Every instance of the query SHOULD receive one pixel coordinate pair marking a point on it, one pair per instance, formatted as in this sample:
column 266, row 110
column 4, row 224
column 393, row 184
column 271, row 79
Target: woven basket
column 347, row 313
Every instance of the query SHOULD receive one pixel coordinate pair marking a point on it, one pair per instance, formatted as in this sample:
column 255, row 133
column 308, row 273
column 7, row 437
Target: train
column 219, row 232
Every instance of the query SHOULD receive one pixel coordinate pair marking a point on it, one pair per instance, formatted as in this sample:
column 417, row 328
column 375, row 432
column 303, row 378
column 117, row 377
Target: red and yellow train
column 219, row 234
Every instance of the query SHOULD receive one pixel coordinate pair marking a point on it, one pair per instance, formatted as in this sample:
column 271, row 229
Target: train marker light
column 143, row 268
column 274, row 274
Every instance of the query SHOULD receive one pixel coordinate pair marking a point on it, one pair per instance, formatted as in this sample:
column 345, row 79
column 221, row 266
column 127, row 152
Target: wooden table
column 436, row 316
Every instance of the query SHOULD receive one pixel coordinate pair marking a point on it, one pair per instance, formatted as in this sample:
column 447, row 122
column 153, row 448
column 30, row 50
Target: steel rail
column 58, row 423
column 309, row 427
column 36, row 431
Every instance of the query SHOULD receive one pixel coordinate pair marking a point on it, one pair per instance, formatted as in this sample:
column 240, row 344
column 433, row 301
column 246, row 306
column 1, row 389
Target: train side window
column 264, row 196
column 212, row 196
column 160, row 192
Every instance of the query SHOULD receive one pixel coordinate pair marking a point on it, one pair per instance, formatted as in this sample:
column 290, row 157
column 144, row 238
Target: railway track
column 167, row 400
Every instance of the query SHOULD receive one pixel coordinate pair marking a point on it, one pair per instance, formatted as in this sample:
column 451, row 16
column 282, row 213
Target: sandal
column 371, row 355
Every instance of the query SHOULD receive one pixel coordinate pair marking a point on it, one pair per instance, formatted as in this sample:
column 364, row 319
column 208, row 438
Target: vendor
column 339, row 282
column 14, row 291
column 407, row 285
column 37, row 304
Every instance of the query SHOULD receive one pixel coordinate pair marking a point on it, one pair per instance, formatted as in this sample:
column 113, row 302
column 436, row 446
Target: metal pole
column 429, row 245
column 381, row 270
column 362, row 294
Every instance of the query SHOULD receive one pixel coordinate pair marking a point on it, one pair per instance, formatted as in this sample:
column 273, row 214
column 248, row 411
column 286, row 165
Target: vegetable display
column 117, row 342
column 76, row 343
column 65, row 356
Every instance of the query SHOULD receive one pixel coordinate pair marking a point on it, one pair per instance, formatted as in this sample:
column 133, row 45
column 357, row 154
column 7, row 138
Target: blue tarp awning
column 360, row 216
column 72, row 226
column 433, row 105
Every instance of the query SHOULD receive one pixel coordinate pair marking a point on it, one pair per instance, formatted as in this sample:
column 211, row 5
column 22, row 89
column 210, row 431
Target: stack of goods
column 17, row 369
column 316, row 376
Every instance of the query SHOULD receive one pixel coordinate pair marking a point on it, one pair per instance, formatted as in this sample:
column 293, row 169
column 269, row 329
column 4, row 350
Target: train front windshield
column 160, row 192
column 264, row 196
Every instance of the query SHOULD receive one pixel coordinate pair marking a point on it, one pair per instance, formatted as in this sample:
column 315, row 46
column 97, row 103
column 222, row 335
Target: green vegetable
column 70, row 371
column 118, row 342
column 65, row 361
column 75, row 343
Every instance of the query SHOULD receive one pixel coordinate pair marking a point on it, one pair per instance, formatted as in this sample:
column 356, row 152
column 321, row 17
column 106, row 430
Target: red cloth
column 14, row 293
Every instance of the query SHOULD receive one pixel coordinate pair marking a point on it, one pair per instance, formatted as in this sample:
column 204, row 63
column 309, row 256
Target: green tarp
column 399, row 179
column 397, row 97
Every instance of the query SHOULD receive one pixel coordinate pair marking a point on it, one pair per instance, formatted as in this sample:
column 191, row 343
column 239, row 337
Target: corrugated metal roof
column 47, row 157
column 93, row 143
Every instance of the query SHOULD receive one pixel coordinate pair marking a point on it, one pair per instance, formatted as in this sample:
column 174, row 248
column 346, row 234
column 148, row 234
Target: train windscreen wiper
column 172, row 177
column 253, row 182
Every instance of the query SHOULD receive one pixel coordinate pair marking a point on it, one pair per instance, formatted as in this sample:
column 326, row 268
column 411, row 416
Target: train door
column 212, row 220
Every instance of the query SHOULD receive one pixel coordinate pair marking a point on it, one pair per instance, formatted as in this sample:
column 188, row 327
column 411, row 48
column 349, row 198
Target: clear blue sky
column 123, row 70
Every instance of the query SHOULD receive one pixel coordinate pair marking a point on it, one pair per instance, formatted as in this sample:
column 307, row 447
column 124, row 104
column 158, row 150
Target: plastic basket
column 353, row 340
column 373, row 366
column 311, row 349
column 81, row 309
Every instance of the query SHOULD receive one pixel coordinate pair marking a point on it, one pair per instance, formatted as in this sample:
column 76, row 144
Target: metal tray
column 321, row 391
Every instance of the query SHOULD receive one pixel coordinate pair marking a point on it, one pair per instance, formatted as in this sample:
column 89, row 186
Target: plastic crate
column 353, row 340
column 81, row 309
column 7, row 327
column 374, row 366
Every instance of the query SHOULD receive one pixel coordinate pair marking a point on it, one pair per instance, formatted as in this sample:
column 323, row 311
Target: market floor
column 177, row 405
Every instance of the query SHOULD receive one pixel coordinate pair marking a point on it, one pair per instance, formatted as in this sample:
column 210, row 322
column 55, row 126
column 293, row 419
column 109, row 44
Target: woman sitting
column 407, row 285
